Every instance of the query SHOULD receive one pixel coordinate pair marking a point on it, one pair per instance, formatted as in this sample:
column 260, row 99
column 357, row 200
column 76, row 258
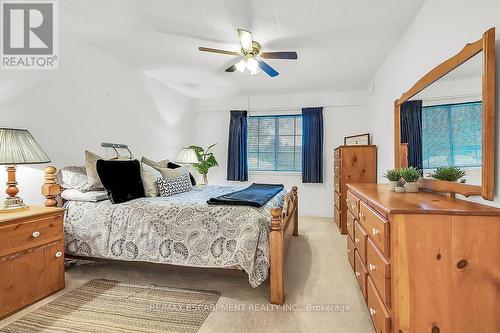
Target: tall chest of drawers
column 352, row 164
column 425, row 262
column 31, row 257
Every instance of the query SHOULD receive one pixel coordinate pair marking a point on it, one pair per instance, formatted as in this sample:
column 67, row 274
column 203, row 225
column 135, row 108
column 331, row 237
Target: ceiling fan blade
column 279, row 55
column 268, row 69
column 231, row 69
column 245, row 40
column 207, row 49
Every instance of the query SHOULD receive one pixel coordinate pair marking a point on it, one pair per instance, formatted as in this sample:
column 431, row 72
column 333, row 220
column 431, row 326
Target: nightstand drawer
column 30, row 234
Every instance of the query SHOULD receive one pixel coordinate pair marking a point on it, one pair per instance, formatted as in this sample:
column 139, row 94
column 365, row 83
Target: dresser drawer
column 379, row 270
column 337, row 171
column 336, row 154
column 336, row 199
column 30, row 234
column 378, row 312
column 336, row 184
column 376, row 227
column 26, row 279
column 350, row 251
column 352, row 203
column 360, row 272
column 350, row 224
column 360, row 239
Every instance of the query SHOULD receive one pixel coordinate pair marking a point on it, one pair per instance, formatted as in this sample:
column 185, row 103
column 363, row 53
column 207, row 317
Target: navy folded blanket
column 256, row 195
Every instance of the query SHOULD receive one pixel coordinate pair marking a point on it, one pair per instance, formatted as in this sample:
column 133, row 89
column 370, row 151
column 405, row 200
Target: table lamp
column 187, row 156
column 17, row 146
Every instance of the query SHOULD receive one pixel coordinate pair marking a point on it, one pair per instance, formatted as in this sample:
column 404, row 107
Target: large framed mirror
column 447, row 119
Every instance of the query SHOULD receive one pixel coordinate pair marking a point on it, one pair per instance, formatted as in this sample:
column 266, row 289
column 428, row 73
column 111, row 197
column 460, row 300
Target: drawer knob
column 349, row 224
column 356, row 240
column 372, row 311
column 35, row 234
column 353, row 206
column 58, row 254
column 372, row 267
column 375, row 231
column 348, row 251
column 362, row 216
column 358, row 273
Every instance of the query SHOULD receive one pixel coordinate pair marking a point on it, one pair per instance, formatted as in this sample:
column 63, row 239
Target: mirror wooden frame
column 487, row 45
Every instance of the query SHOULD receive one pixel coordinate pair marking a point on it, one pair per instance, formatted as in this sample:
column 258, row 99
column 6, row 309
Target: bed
column 184, row 230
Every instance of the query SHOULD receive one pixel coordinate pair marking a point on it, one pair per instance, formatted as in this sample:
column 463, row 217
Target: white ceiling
column 340, row 43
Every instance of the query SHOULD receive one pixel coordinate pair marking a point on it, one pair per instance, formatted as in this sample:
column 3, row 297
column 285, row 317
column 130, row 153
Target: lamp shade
column 187, row 156
column 17, row 146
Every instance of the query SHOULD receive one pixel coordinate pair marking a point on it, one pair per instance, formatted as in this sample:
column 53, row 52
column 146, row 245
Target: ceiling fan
column 250, row 49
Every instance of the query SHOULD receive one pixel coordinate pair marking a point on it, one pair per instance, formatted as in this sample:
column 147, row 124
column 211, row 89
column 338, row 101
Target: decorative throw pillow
column 171, row 186
column 90, row 166
column 172, row 173
column 175, row 166
column 121, row 178
column 149, row 177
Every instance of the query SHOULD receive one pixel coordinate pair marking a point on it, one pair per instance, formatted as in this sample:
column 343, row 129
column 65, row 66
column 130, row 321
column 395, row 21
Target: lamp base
column 13, row 204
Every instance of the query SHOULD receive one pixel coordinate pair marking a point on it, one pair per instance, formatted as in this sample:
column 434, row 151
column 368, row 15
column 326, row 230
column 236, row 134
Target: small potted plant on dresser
column 411, row 176
column 394, row 176
column 449, row 174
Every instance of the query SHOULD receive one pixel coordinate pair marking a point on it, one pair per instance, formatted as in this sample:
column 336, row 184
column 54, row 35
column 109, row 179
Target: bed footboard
column 284, row 224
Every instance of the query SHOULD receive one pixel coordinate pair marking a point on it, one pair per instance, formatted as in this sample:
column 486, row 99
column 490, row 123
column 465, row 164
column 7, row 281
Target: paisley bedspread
column 181, row 229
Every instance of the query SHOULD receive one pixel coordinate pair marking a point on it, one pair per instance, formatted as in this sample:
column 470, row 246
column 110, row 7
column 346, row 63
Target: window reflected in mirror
column 442, row 124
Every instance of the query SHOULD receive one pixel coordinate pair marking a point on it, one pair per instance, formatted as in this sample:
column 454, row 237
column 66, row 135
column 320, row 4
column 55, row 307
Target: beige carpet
column 317, row 273
column 115, row 307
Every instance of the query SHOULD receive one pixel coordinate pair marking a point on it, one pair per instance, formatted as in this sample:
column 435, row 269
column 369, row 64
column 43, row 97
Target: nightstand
column 31, row 257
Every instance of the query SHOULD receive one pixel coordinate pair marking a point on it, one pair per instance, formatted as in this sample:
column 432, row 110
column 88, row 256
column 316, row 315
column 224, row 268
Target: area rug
column 111, row 306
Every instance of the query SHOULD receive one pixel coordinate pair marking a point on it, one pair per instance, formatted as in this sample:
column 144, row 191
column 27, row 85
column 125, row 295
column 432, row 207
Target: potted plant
column 394, row 175
column 400, row 186
column 449, row 174
column 411, row 176
column 206, row 160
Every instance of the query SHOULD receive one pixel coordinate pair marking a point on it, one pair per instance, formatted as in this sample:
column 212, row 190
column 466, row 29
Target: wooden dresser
column 352, row 164
column 31, row 257
column 425, row 263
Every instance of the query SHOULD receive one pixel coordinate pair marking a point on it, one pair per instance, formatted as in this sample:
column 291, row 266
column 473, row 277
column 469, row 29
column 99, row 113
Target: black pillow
column 121, row 178
column 175, row 166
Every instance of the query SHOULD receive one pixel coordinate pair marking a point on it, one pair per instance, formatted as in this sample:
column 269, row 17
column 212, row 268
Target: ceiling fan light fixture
column 252, row 65
column 241, row 65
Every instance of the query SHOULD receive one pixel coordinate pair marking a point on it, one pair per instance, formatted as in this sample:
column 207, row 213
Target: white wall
column 440, row 29
column 343, row 116
column 91, row 98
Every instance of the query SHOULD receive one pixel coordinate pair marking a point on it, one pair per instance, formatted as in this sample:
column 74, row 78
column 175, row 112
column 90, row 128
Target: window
column 275, row 143
column 451, row 135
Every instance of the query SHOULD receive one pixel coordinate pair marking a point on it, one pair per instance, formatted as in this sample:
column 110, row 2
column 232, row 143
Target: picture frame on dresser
column 357, row 140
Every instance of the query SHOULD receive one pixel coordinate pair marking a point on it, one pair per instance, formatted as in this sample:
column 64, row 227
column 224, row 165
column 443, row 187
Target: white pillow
column 90, row 166
column 149, row 177
column 91, row 196
column 173, row 173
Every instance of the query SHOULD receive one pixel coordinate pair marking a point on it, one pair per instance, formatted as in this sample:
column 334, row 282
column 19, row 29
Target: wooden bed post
column 296, row 214
column 50, row 188
column 277, row 257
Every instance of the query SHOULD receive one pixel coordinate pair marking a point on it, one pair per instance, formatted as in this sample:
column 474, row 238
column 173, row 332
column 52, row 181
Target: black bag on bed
column 121, row 178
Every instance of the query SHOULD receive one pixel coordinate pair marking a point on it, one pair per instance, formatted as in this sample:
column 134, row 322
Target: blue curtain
column 411, row 131
column 312, row 145
column 237, row 162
